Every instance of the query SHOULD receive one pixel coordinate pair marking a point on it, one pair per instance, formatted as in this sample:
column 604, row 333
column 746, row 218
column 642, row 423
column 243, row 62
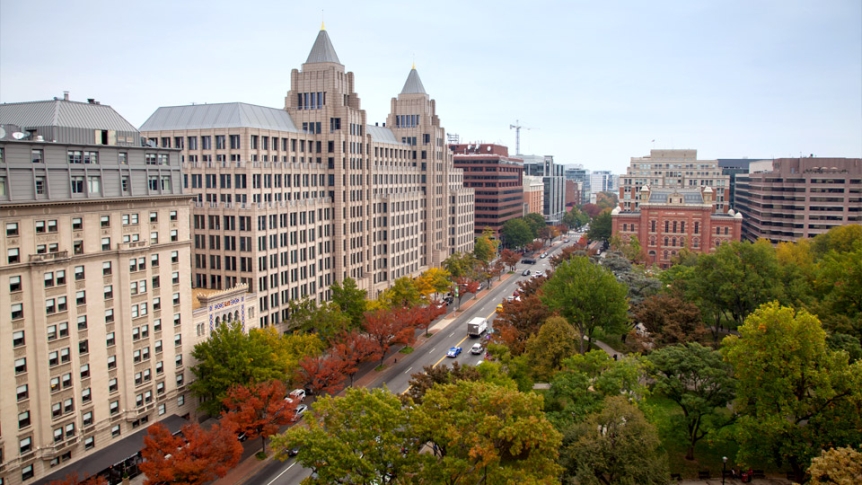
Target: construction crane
column 517, row 127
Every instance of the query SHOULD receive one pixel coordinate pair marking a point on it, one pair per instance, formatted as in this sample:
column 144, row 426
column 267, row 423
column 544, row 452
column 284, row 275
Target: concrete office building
column 290, row 200
column 799, row 198
column 95, row 301
column 673, row 169
column 555, row 190
column 603, row 181
column 498, row 182
column 581, row 176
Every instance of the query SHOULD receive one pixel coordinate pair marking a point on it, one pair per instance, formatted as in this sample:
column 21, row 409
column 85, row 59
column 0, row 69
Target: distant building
column 534, row 195
column 603, row 181
column 573, row 193
column 96, row 305
column 673, row 169
column 735, row 166
column 581, row 176
column 799, row 197
column 669, row 219
column 498, row 182
column 554, row 181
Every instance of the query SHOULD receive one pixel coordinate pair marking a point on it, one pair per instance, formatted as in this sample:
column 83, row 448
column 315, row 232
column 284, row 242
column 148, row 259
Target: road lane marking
column 280, row 474
column 452, row 334
column 432, row 350
column 408, row 369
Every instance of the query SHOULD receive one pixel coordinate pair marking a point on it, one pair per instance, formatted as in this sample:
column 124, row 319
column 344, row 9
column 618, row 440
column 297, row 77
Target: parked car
column 481, row 287
column 454, row 352
column 499, row 308
column 241, row 436
column 300, row 410
column 293, row 451
column 544, row 255
column 526, row 273
column 297, row 395
column 477, row 349
column 510, row 298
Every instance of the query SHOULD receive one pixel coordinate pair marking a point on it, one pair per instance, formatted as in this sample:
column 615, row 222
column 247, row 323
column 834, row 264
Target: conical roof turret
column 413, row 84
column 322, row 50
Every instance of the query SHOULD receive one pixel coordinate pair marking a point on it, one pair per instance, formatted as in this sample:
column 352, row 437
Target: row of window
column 51, row 226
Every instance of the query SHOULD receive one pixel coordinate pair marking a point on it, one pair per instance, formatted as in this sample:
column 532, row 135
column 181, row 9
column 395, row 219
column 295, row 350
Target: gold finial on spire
column 322, row 25
column 414, row 62
column 322, row 20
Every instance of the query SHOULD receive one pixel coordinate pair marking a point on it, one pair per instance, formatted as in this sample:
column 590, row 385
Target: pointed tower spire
column 413, row 84
column 322, row 50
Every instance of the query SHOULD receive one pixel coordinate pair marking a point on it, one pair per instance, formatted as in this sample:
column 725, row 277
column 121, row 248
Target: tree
column 592, row 210
column 841, row 466
column 431, row 376
column 483, row 249
column 838, row 290
column 259, row 409
column 287, row 350
column 600, row 227
column 581, row 386
column 350, row 299
column 326, row 320
column 520, row 320
column 588, row 296
column 191, row 458
column 402, row 293
column 483, row 432
column 795, row 397
column 363, row 437
column 459, row 265
column 616, row 445
column 322, row 374
column 546, row 350
column 385, row 329
column 227, row 358
column 433, row 280
column 670, row 319
column 74, row 479
column 354, row 348
column 516, row 233
column 696, row 379
column 510, row 258
column 536, row 223
column 841, row 239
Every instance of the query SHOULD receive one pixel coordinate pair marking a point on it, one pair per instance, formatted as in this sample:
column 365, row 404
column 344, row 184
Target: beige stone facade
column 673, row 169
column 290, row 200
column 534, row 195
column 95, row 301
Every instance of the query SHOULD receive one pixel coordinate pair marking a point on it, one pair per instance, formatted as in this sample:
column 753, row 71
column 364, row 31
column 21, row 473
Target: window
column 53, row 358
column 110, row 340
column 115, row 431
column 157, row 325
column 181, row 400
column 112, row 361
column 13, row 256
column 159, row 368
column 174, row 235
column 77, row 183
column 162, row 409
column 79, row 273
column 64, row 329
column 18, row 338
column 81, row 298
column 109, row 292
column 112, row 385
column 177, row 319
column 11, row 229
column 176, row 299
column 55, row 384
column 154, row 217
column 82, row 322
column 65, row 356
column 178, row 339
column 77, row 224
column 157, row 304
column 154, row 261
column 23, row 419
column 175, row 278
column 25, row 445
column 175, row 257
column 87, row 419
column 105, row 221
column 158, row 346
column 109, row 315
column 84, row 347
column 106, row 268
column 180, row 379
column 114, row 407
column 178, row 360
column 23, row 392
column 67, row 380
column 21, row 365
column 94, row 185
column 106, row 244
column 40, row 185
column 89, row 443
column 173, row 216
column 154, row 238
column 17, row 311
column 86, row 395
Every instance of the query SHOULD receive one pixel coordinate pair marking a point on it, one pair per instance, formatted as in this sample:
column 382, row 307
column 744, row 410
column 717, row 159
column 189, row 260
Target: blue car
column 453, row 352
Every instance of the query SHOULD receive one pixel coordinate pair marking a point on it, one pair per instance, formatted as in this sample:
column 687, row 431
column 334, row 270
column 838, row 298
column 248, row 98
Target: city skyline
column 595, row 84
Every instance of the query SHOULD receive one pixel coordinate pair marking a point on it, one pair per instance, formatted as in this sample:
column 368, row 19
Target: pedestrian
column 395, row 361
column 615, row 357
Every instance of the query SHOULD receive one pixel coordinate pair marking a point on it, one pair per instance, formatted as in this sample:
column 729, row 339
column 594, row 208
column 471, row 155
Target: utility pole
column 517, row 127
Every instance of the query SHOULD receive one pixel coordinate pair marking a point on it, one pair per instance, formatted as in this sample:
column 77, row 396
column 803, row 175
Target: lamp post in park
column 723, row 468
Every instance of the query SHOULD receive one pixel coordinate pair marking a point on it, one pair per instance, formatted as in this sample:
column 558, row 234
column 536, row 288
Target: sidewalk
column 251, row 465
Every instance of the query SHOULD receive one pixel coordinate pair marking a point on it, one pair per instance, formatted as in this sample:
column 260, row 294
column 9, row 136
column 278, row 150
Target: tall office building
column 498, row 182
column 581, row 177
column 291, row 200
column 554, row 180
column 534, row 195
column 673, row 169
column 799, row 197
column 95, row 305
column 603, row 181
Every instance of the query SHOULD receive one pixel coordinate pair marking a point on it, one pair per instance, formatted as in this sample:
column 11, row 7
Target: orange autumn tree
column 194, row 457
column 386, row 328
column 73, row 479
column 354, row 348
column 258, row 409
column 322, row 374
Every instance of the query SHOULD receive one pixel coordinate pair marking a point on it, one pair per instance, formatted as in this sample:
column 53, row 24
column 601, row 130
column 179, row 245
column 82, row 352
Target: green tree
column 459, row 265
column 350, row 300
column 546, row 350
column 357, row 438
column 536, row 223
column 795, row 397
column 841, row 239
column 402, row 293
column 483, row 432
column 600, row 227
column 287, row 350
column 614, row 446
column 575, row 218
column 699, row 382
column 483, row 249
column 838, row 291
column 670, row 319
column 230, row 357
column 841, row 466
column 588, row 296
column 516, row 233
column 431, row 376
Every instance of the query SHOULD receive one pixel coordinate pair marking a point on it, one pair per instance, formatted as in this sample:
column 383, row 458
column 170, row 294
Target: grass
column 406, row 350
column 260, row 455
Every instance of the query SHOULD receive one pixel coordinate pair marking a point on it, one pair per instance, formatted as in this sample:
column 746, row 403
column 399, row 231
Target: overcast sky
column 595, row 82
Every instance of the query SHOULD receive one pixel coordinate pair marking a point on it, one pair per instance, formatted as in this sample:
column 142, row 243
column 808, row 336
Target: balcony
column 49, row 257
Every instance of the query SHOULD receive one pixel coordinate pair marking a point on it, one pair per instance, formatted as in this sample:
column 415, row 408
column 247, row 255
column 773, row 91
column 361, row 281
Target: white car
column 297, row 394
column 300, row 410
column 477, row 349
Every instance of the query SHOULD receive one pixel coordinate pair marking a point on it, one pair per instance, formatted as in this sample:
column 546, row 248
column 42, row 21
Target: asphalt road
column 397, row 378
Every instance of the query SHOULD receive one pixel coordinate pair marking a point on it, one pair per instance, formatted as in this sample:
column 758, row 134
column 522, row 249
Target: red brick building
column 497, row 179
column 669, row 219
column 573, row 194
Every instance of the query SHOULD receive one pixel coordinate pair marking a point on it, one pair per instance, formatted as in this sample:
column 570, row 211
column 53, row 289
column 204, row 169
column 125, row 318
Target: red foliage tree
column 193, row 458
column 259, row 409
column 472, row 287
column 388, row 327
column 591, row 210
column 322, row 374
column 520, row 320
column 73, row 479
column 355, row 348
column 536, row 246
column 510, row 258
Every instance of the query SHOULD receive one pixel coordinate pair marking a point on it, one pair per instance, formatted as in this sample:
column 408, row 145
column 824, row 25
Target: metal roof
column 689, row 196
column 62, row 113
column 220, row 115
column 381, row 134
column 413, row 84
column 322, row 50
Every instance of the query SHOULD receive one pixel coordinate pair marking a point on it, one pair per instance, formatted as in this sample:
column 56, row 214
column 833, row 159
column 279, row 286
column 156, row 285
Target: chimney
column 91, row 100
column 65, row 95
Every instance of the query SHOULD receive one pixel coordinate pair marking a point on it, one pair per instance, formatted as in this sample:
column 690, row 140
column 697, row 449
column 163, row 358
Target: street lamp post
column 723, row 468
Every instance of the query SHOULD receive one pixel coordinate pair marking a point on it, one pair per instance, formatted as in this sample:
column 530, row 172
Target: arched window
column 674, row 226
column 665, row 240
column 218, row 321
column 674, row 242
column 666, row 225
column 682, row 241
column 726, row 229
column 652, row 256
column 625, row 226
column 652, row 229
column 236, row 315
column 652, row 240
column 682, row 226
column 717, row 242
column 695, row 242
column 665, row 254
